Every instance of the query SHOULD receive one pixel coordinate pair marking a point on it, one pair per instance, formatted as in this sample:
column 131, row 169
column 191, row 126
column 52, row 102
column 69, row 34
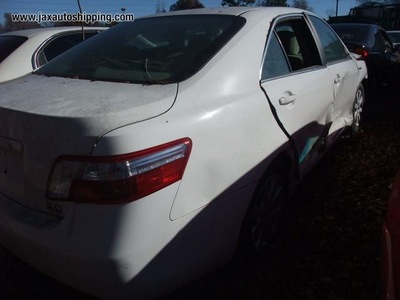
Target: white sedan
column 135, row 162
column 26, row 50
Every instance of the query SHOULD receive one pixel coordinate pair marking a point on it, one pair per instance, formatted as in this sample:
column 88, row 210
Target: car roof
column 355, row 25
column 234, row 11
column 48, row 31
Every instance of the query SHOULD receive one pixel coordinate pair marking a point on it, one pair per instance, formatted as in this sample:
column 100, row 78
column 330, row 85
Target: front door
column 298, row 86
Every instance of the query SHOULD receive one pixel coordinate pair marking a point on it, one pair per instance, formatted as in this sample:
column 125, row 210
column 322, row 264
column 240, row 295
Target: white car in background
column 25, row 50
column 135, row 162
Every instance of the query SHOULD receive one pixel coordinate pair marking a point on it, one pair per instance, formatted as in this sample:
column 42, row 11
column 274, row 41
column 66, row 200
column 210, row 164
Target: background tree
column 273, row 3
column 330, row 12
column 160, row 7
column 303, row 4
column 185, row 4
column 237, row 2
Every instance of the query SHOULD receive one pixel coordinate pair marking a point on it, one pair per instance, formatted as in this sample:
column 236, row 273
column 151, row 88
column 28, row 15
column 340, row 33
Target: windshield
column 149, row 50
column 8, row 44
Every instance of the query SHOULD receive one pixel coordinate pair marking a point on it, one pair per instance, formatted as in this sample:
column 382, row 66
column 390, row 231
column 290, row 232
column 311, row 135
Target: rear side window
column 59, row 45
column 386, row 40
column 155, row 50
column 332, row 46
column 275, row 63
column 382, row 42
column 395, row 37
column 291, row 46
column 8, row 44
column 64, row 43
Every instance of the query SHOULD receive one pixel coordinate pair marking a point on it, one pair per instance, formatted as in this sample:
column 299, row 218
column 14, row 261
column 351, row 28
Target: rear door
column 344, row 71
column 298, row 86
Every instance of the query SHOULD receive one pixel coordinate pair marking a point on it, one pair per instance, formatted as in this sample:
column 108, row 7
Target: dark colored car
column 375, row 47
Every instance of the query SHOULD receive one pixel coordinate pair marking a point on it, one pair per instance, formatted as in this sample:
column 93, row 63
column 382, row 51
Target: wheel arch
column 285, row 165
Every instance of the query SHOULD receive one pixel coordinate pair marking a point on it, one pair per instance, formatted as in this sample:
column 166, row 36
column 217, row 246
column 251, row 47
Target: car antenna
column 80, row 10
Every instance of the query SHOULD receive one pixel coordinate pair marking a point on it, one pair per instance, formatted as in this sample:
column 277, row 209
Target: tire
column 263, row 217
column 357, row 109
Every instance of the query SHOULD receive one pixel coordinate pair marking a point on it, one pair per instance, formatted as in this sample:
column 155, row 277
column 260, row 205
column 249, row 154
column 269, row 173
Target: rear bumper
column 126, row 251
column 100, row 250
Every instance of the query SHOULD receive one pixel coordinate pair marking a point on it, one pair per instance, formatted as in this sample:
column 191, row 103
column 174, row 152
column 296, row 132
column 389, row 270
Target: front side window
column 332, row 46
column 149, row 51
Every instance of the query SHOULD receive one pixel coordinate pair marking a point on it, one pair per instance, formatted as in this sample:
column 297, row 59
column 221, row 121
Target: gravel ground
column 329, row 247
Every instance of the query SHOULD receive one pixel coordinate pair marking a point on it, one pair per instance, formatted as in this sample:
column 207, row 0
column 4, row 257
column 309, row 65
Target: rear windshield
column 352, row 34
column 8, row 44
column 149, row 50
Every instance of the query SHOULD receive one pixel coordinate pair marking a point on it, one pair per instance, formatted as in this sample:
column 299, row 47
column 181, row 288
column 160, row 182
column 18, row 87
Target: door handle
column 287, row 99
column 337, row 79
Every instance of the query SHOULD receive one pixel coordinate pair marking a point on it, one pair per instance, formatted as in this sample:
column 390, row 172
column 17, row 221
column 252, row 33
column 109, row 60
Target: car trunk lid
column 42, row 118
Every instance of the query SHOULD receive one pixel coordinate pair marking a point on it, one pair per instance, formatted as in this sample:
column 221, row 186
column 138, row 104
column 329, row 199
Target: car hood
column 44, row 117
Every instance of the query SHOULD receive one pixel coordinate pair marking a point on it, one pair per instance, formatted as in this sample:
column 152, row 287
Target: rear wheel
column 358, row 104
column 264, row 214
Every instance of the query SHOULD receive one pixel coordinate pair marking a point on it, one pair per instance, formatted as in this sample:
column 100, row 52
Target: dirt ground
column 329, row 247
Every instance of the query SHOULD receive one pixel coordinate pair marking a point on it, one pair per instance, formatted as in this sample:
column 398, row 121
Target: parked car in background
column 26, row 50
column 136, row 161
column 391, row 245
column 394, row 36
column 375, row 47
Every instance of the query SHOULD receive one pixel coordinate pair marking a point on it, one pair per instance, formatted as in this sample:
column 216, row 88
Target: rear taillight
column 361, row 51
column 117, row 179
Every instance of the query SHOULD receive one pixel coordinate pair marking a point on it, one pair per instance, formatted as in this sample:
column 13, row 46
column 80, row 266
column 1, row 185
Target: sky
column 139, row 7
